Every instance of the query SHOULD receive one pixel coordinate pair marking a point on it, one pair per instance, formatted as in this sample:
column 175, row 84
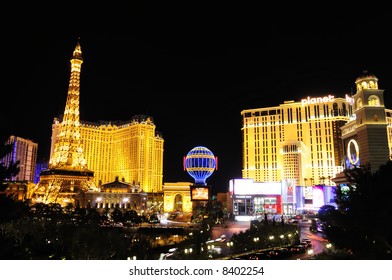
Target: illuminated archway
column 178, row 203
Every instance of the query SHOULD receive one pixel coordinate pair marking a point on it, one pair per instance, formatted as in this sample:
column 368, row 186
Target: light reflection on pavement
column 318, row 241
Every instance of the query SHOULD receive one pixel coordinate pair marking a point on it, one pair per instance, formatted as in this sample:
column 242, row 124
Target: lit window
column 374, row 101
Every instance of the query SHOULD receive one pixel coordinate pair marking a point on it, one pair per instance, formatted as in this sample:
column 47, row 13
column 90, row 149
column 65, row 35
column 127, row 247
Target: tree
column 325, row 211
column 360, row 225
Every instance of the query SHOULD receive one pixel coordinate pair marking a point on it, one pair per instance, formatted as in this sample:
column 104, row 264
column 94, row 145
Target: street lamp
column 230, row 246
column 310, row 252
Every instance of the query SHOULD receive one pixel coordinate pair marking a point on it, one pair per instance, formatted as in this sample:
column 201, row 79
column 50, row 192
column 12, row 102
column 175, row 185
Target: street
column 318, row 241
column 229, row 228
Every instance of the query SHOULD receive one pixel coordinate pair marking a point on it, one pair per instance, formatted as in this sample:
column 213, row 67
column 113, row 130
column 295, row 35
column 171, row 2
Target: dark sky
column 192, row 74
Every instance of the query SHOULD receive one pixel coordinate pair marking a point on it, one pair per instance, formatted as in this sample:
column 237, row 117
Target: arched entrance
column 178, row 203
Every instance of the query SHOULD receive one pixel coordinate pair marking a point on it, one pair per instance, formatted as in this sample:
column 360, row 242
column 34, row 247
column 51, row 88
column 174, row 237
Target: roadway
column 318, row 241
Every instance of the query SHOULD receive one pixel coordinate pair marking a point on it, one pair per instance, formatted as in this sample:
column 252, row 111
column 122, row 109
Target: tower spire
column 68, row 151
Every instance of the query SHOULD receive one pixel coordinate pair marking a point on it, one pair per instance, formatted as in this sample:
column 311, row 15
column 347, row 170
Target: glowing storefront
column 252, row 199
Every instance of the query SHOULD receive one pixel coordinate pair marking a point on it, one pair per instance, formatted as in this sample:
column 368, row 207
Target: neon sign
column 314, row 100
column 353, row 157
column 349, row 99
column 200, row 193
column 325, row 99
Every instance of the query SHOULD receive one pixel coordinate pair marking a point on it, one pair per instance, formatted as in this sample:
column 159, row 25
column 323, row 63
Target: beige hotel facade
column 130, row 150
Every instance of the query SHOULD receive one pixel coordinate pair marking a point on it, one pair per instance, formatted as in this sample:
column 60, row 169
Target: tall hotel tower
column 67, row 179
column 296, row 141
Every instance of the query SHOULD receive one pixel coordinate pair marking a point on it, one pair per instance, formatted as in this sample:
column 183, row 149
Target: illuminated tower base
column 64, row 187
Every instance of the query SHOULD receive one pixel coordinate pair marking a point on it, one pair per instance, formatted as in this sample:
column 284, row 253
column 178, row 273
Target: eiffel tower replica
column 67, row 178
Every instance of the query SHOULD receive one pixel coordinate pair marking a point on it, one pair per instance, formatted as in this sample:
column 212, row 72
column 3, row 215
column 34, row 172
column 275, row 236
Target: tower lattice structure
column 68, row 152
column 67, row 179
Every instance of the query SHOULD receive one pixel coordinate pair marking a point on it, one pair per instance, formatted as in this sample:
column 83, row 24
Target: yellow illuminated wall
column 131, row 150
column 299, row 141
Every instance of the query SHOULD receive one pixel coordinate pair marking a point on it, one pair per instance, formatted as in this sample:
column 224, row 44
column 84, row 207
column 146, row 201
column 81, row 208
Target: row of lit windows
column 373, row 100
column 102, row 157
column 267, row 114
column 290, row 166
column 318, row 143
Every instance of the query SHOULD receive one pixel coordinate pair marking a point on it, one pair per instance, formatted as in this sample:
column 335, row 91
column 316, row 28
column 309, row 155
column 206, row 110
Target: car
column 278, row 253
column 297, row 249
column 292, row 221
column 222, row 238
column 283, row 252
column 307, row 242
column 260, row 256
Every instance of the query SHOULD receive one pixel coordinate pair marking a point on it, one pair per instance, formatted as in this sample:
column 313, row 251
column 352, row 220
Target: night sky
column 193, row 75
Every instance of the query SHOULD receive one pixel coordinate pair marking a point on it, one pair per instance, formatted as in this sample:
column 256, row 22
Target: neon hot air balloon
column 200, row 163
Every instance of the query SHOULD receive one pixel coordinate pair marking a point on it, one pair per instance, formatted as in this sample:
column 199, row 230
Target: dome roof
column 366, row 76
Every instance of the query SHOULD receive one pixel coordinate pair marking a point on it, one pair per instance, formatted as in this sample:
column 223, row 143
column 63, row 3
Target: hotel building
column 24, row 151
column 131, row 150
column 303, row 145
